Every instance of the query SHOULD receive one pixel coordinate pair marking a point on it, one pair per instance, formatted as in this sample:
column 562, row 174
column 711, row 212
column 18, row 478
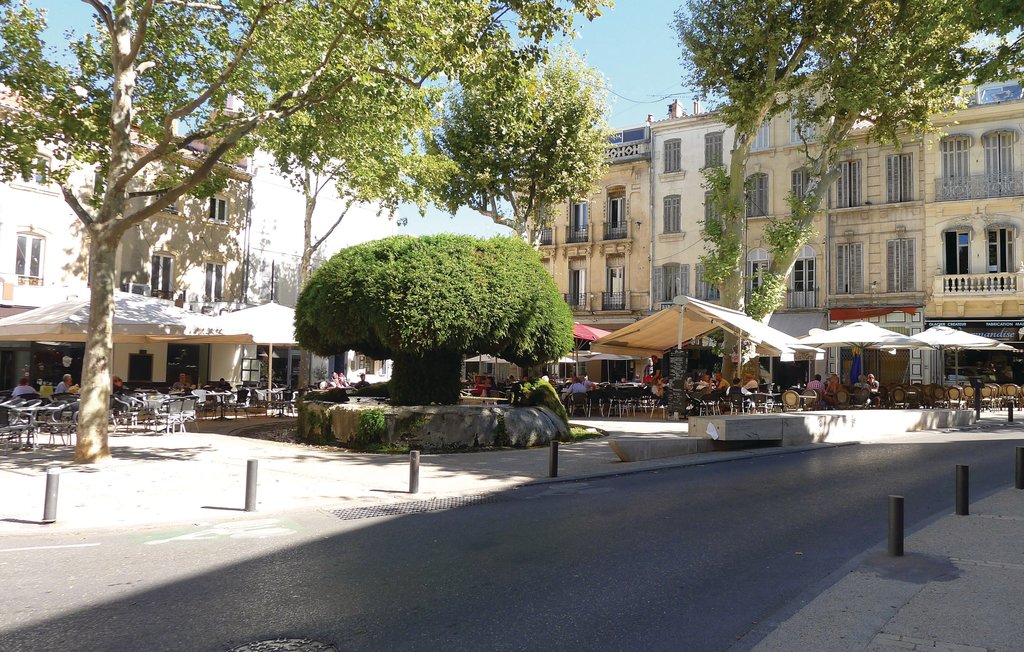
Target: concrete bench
column 639, row 449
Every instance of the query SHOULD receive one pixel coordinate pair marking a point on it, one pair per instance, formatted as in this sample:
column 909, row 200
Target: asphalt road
column 695, row 558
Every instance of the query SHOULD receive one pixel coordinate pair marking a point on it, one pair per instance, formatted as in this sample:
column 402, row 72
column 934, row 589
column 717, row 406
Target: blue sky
column 632, row 44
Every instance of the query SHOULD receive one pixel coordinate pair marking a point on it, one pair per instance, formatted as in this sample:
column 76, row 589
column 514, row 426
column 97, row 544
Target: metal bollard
column 1019, row 481
column 1009, row 412
column 50, row 501
column 553, row 460
column 895, row 526
column 414, row 472
column 963, row 476
column 250, row 485
column 977, row 404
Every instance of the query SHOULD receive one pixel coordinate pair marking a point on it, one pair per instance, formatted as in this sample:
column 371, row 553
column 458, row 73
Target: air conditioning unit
column 139, row 288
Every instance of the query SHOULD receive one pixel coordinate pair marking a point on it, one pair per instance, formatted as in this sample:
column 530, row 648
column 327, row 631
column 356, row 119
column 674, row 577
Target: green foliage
column 406, row 298
column 769, row 295
column 314, row 425
column 331, row 395
column 522, row 139
column 541, row 393
column 371, row 427
column 501, row 437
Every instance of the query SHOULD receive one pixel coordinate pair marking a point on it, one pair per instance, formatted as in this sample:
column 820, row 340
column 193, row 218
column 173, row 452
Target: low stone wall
column 434, row 427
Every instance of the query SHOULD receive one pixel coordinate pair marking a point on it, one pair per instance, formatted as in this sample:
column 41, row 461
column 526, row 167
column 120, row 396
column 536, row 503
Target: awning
column 797, row 324
column 860, row 314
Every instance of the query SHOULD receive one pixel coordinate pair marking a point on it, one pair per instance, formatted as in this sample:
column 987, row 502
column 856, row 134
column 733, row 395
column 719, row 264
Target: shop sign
column 1004, row 330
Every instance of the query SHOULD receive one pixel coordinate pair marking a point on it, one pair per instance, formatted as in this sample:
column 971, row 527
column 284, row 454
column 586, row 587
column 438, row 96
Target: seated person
column 875, row 389
column 576, row 388
column 816, row 384
column 657, row 388
column 64, row 386
column 829, row 395
column 24, row 389
column 183, row 384
column 720, row 383
column 362, row 382
column 118, row 385
column 749, row 383
column 222, row 385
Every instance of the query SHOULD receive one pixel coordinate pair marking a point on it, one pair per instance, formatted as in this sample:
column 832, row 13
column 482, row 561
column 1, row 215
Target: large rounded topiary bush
column 425, row 302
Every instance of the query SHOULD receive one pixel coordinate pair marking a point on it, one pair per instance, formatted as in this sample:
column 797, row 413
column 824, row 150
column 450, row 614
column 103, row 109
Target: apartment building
column 974, row 214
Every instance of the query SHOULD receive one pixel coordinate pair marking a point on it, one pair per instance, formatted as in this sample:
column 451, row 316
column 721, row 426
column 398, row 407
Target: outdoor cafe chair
column 1009, row 394
column 954, row 397
column 172, row 416
column 842, row 399
column 790, row 400
column 13, row 430
column 578, row 404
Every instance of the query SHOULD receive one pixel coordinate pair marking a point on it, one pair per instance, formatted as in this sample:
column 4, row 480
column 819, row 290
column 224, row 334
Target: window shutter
column 907, row 265
column 907, row 177
column 842, row 269
column 857, row 268
column 702, row 286
column 659, row 284
column 842, row 186
column 891, row 261
column 684, row 280
column 855, row 183
column 892, row 179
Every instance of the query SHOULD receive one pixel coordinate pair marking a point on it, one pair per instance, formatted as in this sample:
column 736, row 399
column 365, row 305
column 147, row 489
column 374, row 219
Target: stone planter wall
column 435, row 427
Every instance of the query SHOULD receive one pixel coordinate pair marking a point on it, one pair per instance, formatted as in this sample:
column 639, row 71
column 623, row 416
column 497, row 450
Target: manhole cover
column 412, row 507
column 286, row 645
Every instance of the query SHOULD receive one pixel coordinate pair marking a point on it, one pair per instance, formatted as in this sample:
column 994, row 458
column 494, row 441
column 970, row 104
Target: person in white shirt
column 64, row 385
column 23, row 388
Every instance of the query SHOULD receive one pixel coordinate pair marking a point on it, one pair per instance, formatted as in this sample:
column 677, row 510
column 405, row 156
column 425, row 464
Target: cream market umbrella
column 137, row 319
column 270, row 324
column 944, row 338
column 862, row 335
column 691, row 318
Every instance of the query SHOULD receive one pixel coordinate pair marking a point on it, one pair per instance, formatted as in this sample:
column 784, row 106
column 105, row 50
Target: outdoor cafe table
column 221, row 399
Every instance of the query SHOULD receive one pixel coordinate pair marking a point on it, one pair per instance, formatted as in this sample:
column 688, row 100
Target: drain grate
column 412, row 507
column 285, row 645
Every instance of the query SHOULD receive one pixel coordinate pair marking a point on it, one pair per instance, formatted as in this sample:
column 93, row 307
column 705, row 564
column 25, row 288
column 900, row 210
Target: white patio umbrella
column 944, row 338
column 137, row 319
column 270, row 324
column 862, row 335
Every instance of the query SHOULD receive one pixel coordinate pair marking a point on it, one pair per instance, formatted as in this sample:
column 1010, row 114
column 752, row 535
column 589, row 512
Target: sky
column 632, row 44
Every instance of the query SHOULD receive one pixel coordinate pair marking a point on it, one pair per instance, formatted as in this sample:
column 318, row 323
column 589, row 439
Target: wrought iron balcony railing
column 162, row 294
column 802, row 298
column 613, row 301
column 577, row 234
column 615, row 232
column 1008, row 184
column 547, row 236
column 576, row 300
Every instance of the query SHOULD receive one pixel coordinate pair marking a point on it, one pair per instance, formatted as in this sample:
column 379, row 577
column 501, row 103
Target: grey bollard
column 50, row 501
column 553, row 460
column 895, row 526
column 250, row 485
column 963, row 476
column 1009, row 411
column 414, row 472
column 1019, row 480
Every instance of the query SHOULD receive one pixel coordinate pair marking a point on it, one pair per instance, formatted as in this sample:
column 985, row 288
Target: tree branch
column 103, row 12
column 71, row 200
column 142, row 22
column 344, row 212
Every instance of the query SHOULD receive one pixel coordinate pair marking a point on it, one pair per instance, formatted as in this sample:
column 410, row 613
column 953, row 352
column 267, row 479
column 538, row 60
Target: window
column 578, row 217
column 800, row 131
column 799, row 181
column 763, row 138
column 713, row 149
column 757, row 195
column 955, row 157
column 29, row 259
column 848, row 185
column 802, row 281
column 999, row 92
column 218, row 210
column 40, row 174
column 899, row 256
column 673, row 155
column 616, row 222
column 850, row 268
column 214, row 281
column 577, row 282
column 757, row 266
column 957, row 246
column 1000, row 250
column 705, row 290
column 899, row 176
column 670, row 217
column 711, row 214
column 998, row 155
column 615, row 279
column 671, row 280
column 160, row 278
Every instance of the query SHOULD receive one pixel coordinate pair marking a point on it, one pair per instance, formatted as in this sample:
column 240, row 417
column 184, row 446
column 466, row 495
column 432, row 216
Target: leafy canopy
column 523, row 138
column 406, row 296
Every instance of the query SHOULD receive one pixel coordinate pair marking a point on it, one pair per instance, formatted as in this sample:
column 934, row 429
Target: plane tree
column 151, row 82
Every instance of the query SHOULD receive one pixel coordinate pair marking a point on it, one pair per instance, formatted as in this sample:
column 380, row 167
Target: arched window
column 757, row 265
column 615, row 223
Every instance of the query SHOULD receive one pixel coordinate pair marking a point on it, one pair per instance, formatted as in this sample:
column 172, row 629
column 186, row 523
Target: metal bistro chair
column 790, row 401
column 13, row 430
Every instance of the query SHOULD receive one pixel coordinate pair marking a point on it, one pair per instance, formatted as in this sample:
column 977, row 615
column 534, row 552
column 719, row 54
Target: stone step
column 640, row 449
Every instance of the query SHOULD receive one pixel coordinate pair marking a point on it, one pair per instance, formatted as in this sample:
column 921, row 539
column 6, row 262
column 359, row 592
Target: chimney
column 696, row 106
column 650, row 118
column 675, row 110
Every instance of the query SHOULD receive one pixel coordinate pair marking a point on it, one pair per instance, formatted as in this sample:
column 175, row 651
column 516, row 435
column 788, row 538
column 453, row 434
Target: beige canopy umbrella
column 270, row 324
column 944, row 338
column 691, row 318
column 137, row 319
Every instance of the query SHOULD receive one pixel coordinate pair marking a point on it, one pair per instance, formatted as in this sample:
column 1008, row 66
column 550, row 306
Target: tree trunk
column 426, row 378
column 305, row 264
column 94, row 406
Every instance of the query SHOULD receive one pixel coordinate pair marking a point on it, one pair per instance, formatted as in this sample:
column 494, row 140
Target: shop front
column 993, row 366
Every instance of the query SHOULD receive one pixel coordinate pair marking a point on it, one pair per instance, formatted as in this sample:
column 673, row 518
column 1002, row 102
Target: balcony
column 626, row 151
column 981, row 186
column 30, row 280
column 966, row 285
column 576, row 300
column 577, row 234
column 547, row 237
column 802, row 298
column 615, row 232
column 163, row 294
column 613, row 301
